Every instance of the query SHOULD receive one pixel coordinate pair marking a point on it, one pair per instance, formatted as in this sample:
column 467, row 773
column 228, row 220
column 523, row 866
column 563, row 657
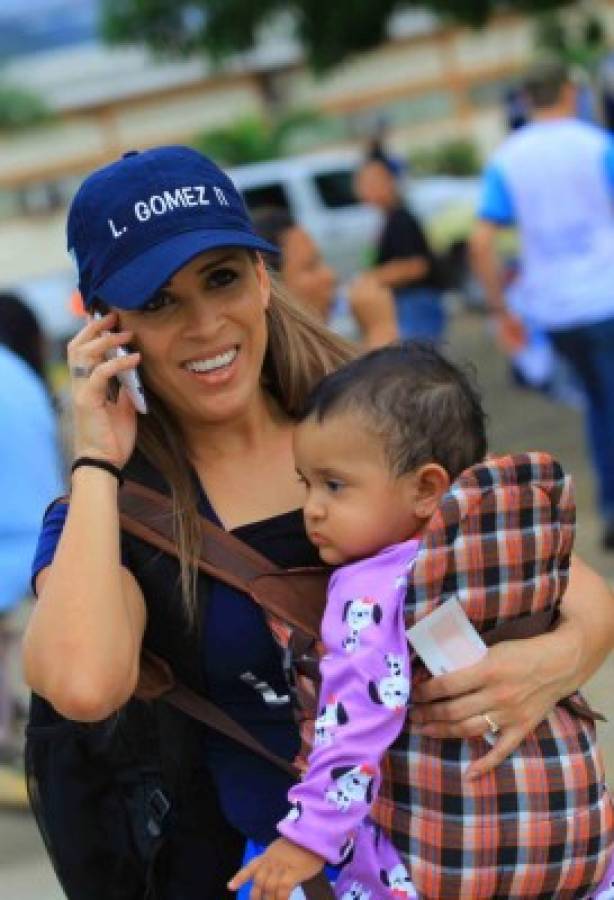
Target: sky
column 26, row 27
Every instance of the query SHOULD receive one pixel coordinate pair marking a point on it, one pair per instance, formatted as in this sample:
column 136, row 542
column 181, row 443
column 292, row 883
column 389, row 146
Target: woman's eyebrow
column 227, row 257
column 216, row 262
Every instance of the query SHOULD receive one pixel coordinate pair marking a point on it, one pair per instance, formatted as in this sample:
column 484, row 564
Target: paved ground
column 519, row 420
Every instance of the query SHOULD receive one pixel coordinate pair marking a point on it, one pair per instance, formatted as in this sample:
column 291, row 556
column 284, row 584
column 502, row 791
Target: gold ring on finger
column 492, row 725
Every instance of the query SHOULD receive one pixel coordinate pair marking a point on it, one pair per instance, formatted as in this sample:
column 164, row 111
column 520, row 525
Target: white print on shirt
column 168, row 200
column 331, row 715
column 606, row 894
column 268, row 694
column 295, row 812
column 357, row 892
column 359, row 614
column 398, row 881
column 353, row 784
column 393, row 690
column 346, row 853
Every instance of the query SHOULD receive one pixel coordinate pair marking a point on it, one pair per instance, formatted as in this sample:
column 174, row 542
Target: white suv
column 317, row 190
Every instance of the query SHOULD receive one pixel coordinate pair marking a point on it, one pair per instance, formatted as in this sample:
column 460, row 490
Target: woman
column 404, row 262
column 226, row 361
column 362, row 310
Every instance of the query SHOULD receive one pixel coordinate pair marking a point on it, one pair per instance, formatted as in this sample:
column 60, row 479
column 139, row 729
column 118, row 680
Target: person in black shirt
column 403, row 259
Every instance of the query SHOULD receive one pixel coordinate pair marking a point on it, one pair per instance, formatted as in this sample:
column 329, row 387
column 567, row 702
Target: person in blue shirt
column 553, row 179
column 30, row 477
column 163, row 239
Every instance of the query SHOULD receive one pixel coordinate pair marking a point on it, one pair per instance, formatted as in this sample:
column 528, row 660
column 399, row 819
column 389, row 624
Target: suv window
column 272, row 194
column 336, row 188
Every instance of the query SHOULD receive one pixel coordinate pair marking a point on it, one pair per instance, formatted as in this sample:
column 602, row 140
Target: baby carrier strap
column 157, row 682
column 297, row 595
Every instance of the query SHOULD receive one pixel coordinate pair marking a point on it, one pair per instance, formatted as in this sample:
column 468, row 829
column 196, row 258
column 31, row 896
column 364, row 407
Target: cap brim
column 136, row 282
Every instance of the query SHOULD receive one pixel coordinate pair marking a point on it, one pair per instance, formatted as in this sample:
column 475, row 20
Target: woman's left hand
column 513, row 688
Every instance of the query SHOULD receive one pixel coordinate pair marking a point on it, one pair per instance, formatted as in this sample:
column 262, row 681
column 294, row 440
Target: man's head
column 548, row 85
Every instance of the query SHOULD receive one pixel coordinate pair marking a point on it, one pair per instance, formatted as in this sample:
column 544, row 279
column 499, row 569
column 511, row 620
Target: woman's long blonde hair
column 300, row 351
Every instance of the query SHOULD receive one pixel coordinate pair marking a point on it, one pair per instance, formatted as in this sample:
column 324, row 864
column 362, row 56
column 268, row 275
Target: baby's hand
column 276, row 873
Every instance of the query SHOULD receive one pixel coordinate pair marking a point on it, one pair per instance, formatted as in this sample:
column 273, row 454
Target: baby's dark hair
column 424, row 408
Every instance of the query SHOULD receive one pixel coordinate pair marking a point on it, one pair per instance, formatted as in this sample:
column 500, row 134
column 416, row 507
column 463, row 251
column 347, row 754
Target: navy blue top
column 242, row 672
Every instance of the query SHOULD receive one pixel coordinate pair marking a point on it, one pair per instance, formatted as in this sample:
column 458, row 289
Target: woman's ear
column 264, row 282
column 431, row 481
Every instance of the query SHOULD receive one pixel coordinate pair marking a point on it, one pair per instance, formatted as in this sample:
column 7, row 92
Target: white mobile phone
column 129, row 378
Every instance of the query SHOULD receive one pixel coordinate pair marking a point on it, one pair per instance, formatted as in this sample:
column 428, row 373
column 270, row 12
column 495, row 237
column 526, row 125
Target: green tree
column 582, row 43
column 454, row 157
column 328, row 31
column 255, row 139
column 20, row 108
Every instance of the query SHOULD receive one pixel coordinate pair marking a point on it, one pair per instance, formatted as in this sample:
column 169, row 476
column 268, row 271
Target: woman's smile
column 216, row 367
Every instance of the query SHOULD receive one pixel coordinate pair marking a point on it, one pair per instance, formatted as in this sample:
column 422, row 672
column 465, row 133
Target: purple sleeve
column 363, row 700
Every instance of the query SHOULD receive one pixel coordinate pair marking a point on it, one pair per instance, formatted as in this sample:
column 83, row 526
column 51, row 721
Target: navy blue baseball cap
column 137, row 221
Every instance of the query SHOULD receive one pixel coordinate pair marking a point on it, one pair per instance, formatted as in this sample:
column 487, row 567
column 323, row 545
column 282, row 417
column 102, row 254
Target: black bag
column 110, row 808
column 125, row 807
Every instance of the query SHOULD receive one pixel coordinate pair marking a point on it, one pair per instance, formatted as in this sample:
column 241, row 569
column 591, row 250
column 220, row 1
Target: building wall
column 431, row 86
column 448, row 76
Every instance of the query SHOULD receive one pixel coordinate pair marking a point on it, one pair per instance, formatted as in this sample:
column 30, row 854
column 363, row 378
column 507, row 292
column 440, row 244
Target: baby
column 372, row 482
column 378, row 445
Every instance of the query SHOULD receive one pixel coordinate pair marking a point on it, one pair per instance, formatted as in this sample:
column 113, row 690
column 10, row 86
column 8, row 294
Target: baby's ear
column 431, row 483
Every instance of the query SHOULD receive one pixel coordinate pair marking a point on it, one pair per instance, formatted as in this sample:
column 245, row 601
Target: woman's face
column 376, row 185
column 305, row 273
column 203, row 336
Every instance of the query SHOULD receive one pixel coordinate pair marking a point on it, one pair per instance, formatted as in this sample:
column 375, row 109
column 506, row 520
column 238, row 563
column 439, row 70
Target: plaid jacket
column 541, row 825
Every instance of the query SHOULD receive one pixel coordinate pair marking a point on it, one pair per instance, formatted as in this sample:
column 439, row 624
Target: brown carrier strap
column 156, row 681
column 295, row 595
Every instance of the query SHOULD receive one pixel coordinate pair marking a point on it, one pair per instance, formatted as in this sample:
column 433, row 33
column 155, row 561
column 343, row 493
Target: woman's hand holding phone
column 128, row 377
column 102, row 428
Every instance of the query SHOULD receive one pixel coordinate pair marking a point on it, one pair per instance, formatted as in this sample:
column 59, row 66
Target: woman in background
column 362, row 311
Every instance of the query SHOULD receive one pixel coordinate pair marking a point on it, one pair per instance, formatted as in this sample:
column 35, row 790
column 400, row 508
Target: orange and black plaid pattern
column 541, row 825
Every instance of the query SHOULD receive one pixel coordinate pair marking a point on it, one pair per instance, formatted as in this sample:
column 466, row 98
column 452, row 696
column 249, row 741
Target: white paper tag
column 446, row 640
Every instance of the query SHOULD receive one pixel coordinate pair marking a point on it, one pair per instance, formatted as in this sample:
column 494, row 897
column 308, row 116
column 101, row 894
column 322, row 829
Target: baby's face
column 355, row 506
